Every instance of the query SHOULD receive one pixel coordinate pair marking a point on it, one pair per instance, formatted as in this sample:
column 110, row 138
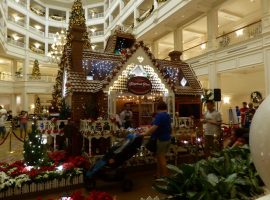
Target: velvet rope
column 21, row 140
column 5, row 138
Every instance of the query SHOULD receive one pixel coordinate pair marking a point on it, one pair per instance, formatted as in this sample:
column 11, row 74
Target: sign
column 139, row 85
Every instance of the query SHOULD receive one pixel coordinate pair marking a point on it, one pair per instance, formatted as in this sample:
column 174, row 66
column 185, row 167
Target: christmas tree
column 37, row 106
column 35, row 153
column 36, row 72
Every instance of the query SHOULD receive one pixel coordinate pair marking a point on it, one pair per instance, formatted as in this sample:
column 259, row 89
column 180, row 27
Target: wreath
column 256, row 97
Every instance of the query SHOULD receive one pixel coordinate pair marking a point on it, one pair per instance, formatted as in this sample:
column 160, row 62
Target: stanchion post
column 10, row 143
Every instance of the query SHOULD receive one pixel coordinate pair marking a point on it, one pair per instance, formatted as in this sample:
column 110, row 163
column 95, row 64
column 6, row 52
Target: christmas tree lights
column 35, row 152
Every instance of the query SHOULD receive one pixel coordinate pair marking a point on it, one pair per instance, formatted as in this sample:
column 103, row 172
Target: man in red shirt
column 243, row 112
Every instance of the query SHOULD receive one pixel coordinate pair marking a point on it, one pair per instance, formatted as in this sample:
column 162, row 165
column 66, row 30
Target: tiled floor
column 11, row 150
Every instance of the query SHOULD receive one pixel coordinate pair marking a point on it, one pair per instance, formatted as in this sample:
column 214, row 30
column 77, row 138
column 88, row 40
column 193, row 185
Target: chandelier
column 57, row 47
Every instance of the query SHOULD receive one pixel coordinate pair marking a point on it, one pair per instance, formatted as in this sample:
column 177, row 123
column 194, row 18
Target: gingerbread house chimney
column 175, row 55
column 77, row 38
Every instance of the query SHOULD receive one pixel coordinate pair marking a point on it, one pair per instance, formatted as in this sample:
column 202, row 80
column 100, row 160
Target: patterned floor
column 11, row 150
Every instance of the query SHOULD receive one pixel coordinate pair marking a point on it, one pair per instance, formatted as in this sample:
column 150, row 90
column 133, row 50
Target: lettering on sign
column 139, row 85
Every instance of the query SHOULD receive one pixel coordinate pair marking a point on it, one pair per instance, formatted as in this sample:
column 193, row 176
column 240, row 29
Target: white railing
column 6, row 76
column 97, row 33
column 20, row 23
column 20, row 3
column 37, row 50
column 57, row 18
column 36, row 31
column 127, row 29
column 195, row 51
column 95, row 16
column 51, row 35
column 50, row 79
column 247, row 32
column 14, row 42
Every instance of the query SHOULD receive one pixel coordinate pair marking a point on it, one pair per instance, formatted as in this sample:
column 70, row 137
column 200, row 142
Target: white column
column 122, row 5
column 67, row 16
column 47, row 13
column 213, row 76
column 86, row 13
column 178, row 39
column 154, row 48
column 25, row 103
column 26, row 66
column 110, row 20
column 13, row 68
column 136, row 15
column 266, row 56
column 28, row 4
column 212, row 29
column 265, row 9
column 13, row 104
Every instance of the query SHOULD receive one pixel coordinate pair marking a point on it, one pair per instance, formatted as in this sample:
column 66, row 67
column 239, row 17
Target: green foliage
column 35, row 153
column 228, row 175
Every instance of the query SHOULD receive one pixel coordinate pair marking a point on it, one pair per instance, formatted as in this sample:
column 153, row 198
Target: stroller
column 109, row 167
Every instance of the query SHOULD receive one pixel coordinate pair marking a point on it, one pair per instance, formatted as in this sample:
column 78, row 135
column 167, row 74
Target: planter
column 38, row 187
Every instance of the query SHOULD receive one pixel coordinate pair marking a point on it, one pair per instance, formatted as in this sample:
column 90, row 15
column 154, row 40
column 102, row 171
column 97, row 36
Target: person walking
column 161, row 132
column 243, row 113
column 23, row 118
column 212, row 123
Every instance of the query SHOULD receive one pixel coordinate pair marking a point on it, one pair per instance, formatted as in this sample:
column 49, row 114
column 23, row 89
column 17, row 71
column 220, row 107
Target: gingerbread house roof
column 173, row 72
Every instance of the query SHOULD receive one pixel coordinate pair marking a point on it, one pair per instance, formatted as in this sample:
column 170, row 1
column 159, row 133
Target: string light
column 98, row 69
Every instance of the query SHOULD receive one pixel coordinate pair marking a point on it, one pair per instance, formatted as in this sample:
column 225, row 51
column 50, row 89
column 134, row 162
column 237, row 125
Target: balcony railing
column 42, row 78
column 36, row 31
column 4, row 76
column 20, row 3
column 38, row 12
column 195, row 51
column 14, row 42
column 95, row 16
column 37, row 50
column 51, row 35
column 247, row 32
column 242, row 34
column 57, row 18
column 18, row 22
column 97, row 33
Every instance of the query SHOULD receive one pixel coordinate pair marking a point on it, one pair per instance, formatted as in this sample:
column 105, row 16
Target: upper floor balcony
column 240, row 35
column 95, row 15
column 5, row 76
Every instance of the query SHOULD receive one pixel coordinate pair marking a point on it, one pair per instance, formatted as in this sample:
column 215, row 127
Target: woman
column 161, row 132
column 23, row 123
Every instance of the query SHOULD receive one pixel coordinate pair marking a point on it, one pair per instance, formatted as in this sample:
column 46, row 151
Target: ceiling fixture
column 15, row 37
column 239, row 32
column 57, row 47
column 38, row 27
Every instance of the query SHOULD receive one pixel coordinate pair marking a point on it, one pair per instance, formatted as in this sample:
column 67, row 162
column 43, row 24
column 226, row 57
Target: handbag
column 151, row 145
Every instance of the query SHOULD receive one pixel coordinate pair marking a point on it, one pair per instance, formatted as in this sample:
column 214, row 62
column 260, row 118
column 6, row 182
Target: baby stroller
column 109, row 167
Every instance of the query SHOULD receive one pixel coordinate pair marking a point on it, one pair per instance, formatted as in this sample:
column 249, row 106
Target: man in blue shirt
column 161, row 132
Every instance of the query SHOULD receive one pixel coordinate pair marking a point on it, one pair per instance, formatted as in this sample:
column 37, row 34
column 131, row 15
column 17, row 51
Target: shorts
column 163, row 146
column 23, row 126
